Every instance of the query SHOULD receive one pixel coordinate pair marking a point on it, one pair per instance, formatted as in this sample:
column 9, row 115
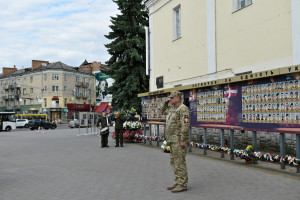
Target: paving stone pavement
column 60, row 165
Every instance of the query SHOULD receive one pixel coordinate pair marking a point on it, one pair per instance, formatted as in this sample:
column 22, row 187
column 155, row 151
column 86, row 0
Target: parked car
column 74, row 123
column 20, row 123
column 34, row 124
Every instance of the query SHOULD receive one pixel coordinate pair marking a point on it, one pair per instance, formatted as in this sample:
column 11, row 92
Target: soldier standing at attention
column 119, row 120
column 103, row 122
column 177, row 125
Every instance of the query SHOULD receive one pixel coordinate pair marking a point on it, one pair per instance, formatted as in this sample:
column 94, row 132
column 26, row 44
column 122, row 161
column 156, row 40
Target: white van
column 7, row 122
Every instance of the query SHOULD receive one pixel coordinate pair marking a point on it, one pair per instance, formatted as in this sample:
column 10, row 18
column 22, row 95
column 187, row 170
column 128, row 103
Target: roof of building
column 85, row 63
column 55, row 65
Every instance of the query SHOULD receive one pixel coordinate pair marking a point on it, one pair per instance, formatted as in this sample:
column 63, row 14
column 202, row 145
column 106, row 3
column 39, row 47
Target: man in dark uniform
column 119, row 120
column 103, row 122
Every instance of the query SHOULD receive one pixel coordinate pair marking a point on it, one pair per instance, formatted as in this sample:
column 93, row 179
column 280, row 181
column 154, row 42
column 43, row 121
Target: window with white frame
column 54, row 88
column 239, row 4
column 54, row 76
column 177, row 22
column 24, row 91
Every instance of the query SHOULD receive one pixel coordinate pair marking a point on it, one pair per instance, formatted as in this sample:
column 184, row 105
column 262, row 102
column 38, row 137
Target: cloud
column 54, row 30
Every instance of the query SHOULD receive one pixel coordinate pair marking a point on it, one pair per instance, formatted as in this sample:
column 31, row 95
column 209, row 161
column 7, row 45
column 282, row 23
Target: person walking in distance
column 41, row 126
column 177, row 125
column 119, row 120
column 103, row 124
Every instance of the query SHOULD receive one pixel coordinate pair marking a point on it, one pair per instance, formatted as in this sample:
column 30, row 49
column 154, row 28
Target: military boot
column 179, row 188
column 172, row 187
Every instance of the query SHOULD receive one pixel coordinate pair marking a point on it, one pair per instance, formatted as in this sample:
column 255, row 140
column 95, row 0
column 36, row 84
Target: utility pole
column 14, row 97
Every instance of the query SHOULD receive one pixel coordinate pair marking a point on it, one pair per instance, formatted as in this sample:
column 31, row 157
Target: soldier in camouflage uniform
column 177, row 125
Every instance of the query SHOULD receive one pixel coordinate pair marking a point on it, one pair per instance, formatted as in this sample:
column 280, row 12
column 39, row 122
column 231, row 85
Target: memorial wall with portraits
column 270, row 102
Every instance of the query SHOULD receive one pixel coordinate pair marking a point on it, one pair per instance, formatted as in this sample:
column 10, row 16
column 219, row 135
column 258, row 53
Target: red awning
column 101, row 107
column 79, row 107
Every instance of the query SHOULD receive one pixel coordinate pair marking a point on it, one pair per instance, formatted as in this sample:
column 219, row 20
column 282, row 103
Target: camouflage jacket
column 177, row 122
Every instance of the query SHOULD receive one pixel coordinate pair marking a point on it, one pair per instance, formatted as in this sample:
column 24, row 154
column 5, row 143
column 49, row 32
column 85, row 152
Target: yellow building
column 192, row 41
column 47, row 88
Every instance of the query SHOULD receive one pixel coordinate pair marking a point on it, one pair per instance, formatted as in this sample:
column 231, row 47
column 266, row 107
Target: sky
column 69, row 31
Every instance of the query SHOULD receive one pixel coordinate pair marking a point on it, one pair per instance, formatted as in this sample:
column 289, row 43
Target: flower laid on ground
column 165, row 147
column 246, row 154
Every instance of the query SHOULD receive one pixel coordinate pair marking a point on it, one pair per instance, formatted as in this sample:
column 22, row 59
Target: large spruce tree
column 128, row 54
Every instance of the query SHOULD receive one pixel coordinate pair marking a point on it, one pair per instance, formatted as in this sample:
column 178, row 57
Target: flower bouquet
column 165, row 147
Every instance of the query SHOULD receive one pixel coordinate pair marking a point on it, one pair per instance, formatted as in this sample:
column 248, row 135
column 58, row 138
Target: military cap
column 175, row 94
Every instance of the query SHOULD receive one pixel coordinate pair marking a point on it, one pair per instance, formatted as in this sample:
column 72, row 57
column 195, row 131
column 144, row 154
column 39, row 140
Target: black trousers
column 104, row 139
column 119, row 136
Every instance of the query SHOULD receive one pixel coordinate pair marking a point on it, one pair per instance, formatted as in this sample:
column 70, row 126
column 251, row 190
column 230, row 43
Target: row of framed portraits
column 152, row 107
column 154, row 111
column 156, row 117
column 156, row 100
column 210, row 94
column 211, row 117
column 212, row 109
column 213, row 102
column 282, row 86
column 271, row 107
column 271, row 97
column 289, row 118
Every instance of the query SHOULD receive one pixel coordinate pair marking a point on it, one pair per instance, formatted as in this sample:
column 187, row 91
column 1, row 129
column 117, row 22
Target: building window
column 54, row 88
column 45, row 101
column 77, row 79
column 31, row 90
column 177, row 22
column 31, row 79
column 24, row 102
column 239, row 4
column 31, row 102
column 65, row 88
column 65, row 77
column 1, row 103
column 45, row 77
column 18, row 81
column 25, row 80
column 89, row 81
column 24, row 91
column 65, row 102
column 54, row 76
column 45, row 88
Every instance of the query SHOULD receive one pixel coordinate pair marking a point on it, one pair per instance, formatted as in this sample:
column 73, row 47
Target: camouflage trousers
column 177, row 160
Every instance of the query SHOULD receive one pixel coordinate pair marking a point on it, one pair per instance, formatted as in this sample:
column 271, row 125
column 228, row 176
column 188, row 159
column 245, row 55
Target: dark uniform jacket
column 119, row 122
column 103, row 122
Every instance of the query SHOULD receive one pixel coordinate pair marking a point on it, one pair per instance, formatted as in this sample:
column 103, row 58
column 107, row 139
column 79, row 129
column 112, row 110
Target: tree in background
column 128, row 54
